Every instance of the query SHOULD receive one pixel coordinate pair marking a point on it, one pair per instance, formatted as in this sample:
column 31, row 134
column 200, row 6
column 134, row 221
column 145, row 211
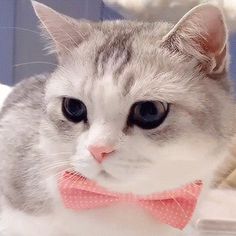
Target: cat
column 136, row 107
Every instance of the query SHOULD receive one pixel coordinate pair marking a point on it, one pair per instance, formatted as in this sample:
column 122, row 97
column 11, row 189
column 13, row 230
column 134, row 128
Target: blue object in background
column 21, row 48
column 233, row 56
column 109, row 14
column 7, row 10
column 22, row 51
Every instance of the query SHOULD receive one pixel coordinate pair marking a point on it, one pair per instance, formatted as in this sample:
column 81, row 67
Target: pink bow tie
column 174, row 208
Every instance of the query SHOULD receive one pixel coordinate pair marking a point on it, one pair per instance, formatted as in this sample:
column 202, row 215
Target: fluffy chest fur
column 118, row 220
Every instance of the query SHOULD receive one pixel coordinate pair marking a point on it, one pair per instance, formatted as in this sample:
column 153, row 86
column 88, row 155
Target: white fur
column 218, row 204
column 184, row 159
column 117, row 220
column 140, row 164
column 4, row 91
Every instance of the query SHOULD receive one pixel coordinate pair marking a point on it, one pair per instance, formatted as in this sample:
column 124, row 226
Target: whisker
column 73, row 178
column 38, row 33
column 163, row 203
column 51, row 168
column 57, row 175
column 56, row 153
column 40, row 62
column 19, row 28
column 179, row 205
column 190, row 193
column 43, row 167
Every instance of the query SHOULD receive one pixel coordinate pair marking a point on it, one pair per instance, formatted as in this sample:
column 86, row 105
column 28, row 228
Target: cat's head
column 138, row 107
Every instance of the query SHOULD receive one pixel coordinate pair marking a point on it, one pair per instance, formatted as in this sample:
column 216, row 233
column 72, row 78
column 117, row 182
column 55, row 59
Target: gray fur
column 198, row 103
column 19, row 128
column 117, row 47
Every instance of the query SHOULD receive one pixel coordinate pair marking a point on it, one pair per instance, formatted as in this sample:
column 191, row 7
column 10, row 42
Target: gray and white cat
column 152, row 98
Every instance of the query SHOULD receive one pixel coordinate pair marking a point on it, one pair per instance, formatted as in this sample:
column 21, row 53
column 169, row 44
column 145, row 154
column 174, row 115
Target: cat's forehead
column 126, row 61
column 119, row 48
column 116, row 38
column 159, row 29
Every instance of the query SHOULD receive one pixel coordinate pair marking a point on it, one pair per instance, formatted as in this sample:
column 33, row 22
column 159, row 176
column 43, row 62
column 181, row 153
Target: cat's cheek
column 188, row 159
column 172, row 164
column 82, row 161
column 85, row 165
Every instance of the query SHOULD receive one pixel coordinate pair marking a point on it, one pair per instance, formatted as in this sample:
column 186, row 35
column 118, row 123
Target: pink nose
column 100, row 153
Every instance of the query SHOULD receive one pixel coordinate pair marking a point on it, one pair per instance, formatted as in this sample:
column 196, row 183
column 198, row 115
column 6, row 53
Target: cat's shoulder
column 28, row 93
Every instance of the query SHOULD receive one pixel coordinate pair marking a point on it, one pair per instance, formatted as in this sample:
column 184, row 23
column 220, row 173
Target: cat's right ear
column 201, row 34
column 63, row 32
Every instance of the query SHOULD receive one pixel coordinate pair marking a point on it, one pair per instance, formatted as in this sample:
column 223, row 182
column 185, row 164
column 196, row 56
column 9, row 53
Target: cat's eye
column 148, row 114
column 74, row 110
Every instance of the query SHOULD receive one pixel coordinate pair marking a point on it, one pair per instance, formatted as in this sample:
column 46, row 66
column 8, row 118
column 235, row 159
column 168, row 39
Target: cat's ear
column 64, row 33
column 202, row 34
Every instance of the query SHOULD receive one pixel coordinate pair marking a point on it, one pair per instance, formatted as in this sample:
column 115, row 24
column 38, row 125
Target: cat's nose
column 100, row 153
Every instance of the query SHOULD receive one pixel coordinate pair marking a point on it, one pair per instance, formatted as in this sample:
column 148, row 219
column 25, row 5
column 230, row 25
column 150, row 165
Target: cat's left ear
column 201, row 34
column 64, row 33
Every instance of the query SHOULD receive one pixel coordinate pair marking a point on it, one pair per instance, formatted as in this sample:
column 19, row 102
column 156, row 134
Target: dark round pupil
column 74, row 110
column 148, row 111
column 148, row 114
column 75, row 107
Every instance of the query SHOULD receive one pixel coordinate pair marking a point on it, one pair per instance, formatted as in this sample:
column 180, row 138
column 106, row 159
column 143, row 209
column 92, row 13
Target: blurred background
column 21, row 48
column 22, row 51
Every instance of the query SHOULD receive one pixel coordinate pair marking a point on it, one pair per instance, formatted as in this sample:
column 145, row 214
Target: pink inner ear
column 212, row 35
column 215, row 31
column 210, row 43
column 203, row 26
column 202, row 34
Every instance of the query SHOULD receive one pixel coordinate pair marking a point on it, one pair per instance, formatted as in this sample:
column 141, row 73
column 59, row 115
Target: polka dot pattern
column 173, row 207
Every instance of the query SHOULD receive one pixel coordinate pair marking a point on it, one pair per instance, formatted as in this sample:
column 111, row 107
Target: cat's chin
column 107, row 180
column 137, row 184
column 110, row 182
column 101, row 177
column 104, row 175
column 114, row 184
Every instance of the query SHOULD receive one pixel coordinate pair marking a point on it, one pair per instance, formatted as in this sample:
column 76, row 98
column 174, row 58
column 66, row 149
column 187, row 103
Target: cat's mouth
column 102, row 175
column 105, row 175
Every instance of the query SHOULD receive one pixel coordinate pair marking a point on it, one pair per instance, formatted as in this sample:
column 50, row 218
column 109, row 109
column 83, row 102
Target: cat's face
column 155, row 101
